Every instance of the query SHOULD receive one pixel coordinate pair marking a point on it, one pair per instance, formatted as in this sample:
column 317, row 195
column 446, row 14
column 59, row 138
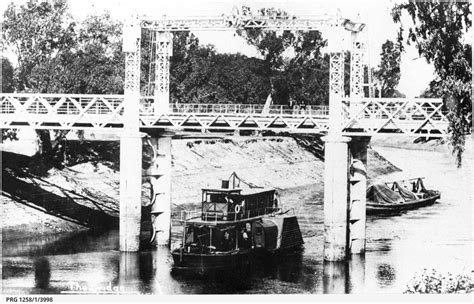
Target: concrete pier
column 358, row 186
column 160, row 180
column 131, row 144
column 130, row 191
column 336, row 195
column 357, row 216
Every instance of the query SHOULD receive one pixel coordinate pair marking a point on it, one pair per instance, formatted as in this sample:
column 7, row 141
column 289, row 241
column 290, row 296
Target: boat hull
column 209, row 263
column 379, row 209
column 205, row 264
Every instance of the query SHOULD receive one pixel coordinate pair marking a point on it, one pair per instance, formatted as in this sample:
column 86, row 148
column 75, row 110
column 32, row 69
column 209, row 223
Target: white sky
column 415, row 72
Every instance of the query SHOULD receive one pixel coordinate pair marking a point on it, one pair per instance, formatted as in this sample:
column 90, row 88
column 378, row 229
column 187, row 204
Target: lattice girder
column 68, row 111
column 398, row 115
column 232, row 23
column 357, row 69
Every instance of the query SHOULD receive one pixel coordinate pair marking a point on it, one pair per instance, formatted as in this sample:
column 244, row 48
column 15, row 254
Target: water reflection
column 129, row 271
column 344, row 277
column 42, row 272
column 137, row 272
column 356, row 274
column 385, row 275
column 88, row 260
column 335, row 275
column 147, row 268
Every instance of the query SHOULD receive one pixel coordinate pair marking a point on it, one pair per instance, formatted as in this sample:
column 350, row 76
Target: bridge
column 362, row 117
column 348, row 121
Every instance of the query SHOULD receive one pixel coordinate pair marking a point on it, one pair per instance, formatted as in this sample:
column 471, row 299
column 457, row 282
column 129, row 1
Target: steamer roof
column 240, row 191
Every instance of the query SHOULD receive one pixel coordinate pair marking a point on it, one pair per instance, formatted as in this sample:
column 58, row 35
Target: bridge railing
column 250, row 109
column 363, row 115
column 146, row 107
column 394, row 108
column 399, row 115
column 60, row 104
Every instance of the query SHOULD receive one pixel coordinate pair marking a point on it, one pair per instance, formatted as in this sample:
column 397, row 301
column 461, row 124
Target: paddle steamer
column 233, row 227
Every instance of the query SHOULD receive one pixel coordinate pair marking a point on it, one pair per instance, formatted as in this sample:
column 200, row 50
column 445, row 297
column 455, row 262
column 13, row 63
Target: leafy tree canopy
column 58, row 55
column 7, row 80
column 388, row 72
column 304, row 77
column 438, row 32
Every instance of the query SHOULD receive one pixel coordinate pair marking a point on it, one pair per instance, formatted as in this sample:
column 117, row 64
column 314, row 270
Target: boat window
column 216, row 198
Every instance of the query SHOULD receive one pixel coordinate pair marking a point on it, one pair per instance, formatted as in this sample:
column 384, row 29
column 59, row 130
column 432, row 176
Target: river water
column 398, row 247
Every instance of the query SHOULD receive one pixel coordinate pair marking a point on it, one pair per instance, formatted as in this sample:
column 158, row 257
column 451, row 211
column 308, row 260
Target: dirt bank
column 78, row 196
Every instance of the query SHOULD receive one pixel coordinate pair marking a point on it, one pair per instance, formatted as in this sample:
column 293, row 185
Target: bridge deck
column 365, row 116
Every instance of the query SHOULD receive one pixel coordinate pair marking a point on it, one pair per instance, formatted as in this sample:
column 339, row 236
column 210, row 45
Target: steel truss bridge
column 365, row 116
column 355, row 115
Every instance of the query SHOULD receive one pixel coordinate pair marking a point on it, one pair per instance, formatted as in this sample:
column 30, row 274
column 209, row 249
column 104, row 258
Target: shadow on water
column 64, row 243
column 42, row 277
column 42, row 272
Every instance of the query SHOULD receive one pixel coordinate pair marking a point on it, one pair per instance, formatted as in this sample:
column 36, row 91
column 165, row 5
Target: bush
column 435, row 282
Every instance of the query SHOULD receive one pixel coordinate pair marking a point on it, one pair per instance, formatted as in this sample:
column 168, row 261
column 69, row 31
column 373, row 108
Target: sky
column 415, row 72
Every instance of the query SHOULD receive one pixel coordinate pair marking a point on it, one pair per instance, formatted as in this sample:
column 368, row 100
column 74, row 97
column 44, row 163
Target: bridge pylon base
column 130, row 191
column 160, row 179
column 358, row 200
column 336, row 197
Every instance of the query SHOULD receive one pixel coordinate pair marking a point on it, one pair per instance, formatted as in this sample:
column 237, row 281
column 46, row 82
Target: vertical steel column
column 164, row 50
column 357, row 73
column 336, row 169
column 160, row 180
column 336, row 82
column 357, row 66
column 131, row 144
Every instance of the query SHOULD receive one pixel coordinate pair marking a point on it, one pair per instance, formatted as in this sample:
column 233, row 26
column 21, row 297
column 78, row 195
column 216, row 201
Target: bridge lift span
column 345, row 117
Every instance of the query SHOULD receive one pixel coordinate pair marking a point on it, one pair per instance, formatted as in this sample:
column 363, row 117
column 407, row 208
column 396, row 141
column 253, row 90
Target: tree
column 38, row 33
column 437, row 32
column 303, row 78
column 7, row 87
column 97, row 62
column 7, row 76
column 56, row 55
column 388, row 72
column 198, row 74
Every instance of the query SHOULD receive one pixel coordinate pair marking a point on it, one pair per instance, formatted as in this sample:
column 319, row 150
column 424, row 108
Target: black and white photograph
column 320, row 150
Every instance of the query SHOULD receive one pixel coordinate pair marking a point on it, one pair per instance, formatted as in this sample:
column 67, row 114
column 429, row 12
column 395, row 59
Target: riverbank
column 278, row 162
column 399, row 248
column 438, row 237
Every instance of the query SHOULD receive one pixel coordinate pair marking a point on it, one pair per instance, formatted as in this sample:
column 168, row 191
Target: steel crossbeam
column 398, row 116
column 231, row 23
